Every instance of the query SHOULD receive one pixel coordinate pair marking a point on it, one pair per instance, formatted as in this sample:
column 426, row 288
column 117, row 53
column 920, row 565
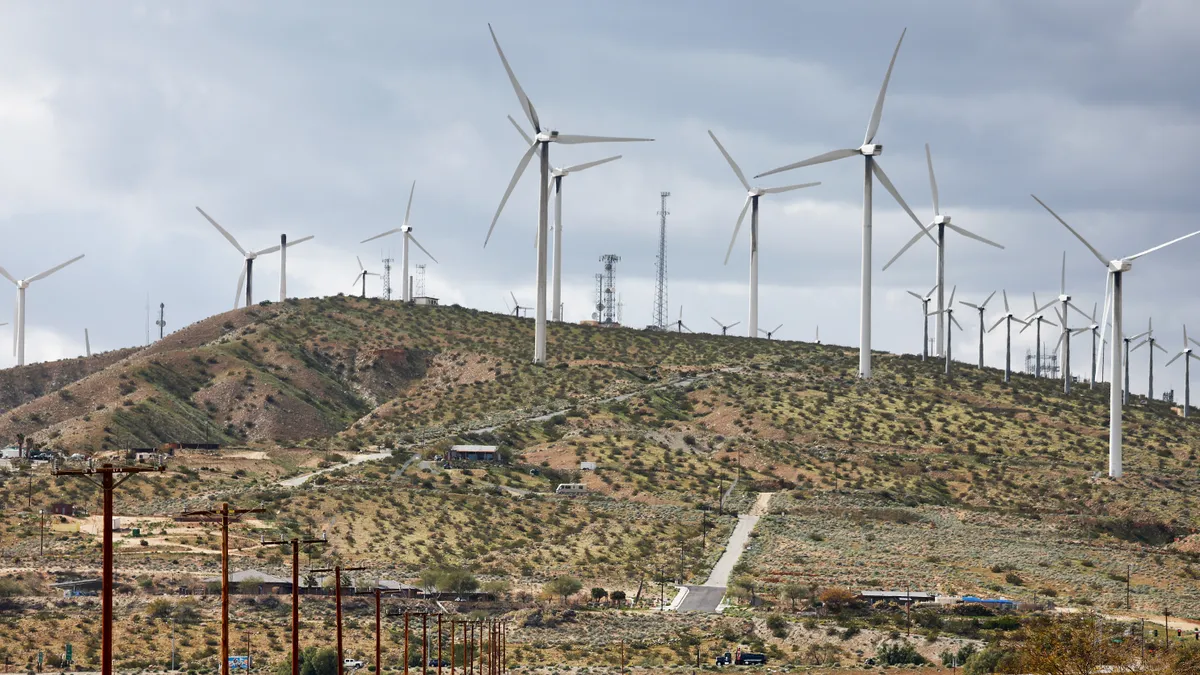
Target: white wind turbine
column 1038, row 318
column 924, row 319
column 556, row 176
column 19, row 310
column 1127, row 341
column 941, row 222
column 724, row 328
column 869, row 151
column 1064, row 343
column 752, row 195
column 406, row 291
column 1007, row 320
column 772, row 332
column 541, row 141
column 1116, row 269
column 949, row 312
column 1187, row 354
column 1063, row 336
column 247, row 275
column 980, row 308
column 1152, row 343
column 362, row 276
column 1094, row 329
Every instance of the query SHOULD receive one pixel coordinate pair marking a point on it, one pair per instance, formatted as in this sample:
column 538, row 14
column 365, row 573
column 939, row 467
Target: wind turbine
column 949, row 312
column 924, row 319
column 752, row 195
column 1127, row 340
column 247, row 275
column 980, row 308
column 516, row 308
column 362, row 276
column 1116, row 269
column 19, row 310
column 869, row 150
column 556, row 176
column 941, row 222
column 1152, row 342
column 1007, row 320
column 541, row 141
column 679, row 325
column 724, row 328
column 818, row 340
column 1064, row 341
column 406, row 291
column 1187, row 355
column 1094, row 329
column 1038, row 318
column 770, row 333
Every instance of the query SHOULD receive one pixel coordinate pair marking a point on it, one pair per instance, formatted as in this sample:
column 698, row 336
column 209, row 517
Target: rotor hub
column 941, row 220
column 871, row 150
column 1119, row 266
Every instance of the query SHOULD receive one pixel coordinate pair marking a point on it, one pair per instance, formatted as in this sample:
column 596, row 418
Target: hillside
column 911, row 480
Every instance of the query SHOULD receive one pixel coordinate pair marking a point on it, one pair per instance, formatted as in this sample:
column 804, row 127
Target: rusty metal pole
column 439, row 670
column 424, row 643
column 406, row 616
column 378, row 627
column 481, row 647
column 469, row 647
column 453, row 627
column 337, row 595
column 295, row 607
column 225, row 589
column 106, row 602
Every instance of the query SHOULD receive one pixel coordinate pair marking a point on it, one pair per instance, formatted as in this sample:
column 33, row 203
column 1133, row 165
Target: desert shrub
column 899, row 653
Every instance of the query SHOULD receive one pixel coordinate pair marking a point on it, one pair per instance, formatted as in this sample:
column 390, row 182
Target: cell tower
column 609, row 314
column 660, row 267
column 419, row 283
column 599, row 313
column 387, row 278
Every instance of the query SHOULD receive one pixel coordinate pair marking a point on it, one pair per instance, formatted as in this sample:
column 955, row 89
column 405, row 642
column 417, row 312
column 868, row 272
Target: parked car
column 433, row 663
column 352, row 664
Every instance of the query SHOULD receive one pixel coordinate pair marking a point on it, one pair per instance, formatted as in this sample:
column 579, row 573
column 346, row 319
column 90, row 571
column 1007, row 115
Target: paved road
column 702, row 599
column 733, row 551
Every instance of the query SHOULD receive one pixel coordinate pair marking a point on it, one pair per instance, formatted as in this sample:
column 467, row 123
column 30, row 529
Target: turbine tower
column 406, row 289
column 949, row 312
column 1152, row 343
column 1094, row 329
column 1187, row 354
column 1007, row 320
column 942, row 223
column 1064, row 342
column 541, row 142
column 752, row 195
column 19, row 310
column 247, row 275
column 1127, row 341
column 1038, row 318
column 869, row 151
column 924, row 319
column 1116, row 270
column 362, row 276
column 980, row 308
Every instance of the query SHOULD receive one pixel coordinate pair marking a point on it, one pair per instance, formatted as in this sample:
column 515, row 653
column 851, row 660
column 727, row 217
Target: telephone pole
column 224, row 515
column 337, row 594
column 108, row 482
column 296, row 543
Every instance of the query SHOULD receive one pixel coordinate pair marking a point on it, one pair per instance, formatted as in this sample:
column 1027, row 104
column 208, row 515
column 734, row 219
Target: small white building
column 425, row 301
column 587, row 466
column 571, row 489
column 10, row 453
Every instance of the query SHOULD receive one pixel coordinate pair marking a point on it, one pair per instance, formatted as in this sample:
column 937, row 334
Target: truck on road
column 741, row 658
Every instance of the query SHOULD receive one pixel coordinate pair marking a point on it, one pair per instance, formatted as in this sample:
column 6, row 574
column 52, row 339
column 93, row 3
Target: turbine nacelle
column 1119, row 266
column 871, row 149
column 941, row 220
column 546, row 136
column 755, row 192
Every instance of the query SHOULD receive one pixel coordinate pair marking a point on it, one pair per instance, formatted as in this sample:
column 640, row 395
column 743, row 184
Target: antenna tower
column 599, row 304
column 660, row 267
column 419, row 284
column 387, row 278
column 610, row 287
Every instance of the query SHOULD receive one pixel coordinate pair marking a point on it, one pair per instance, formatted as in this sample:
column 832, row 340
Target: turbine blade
column 989, row 299
column 955, row 321
column 735, row 323
column 1063, row 286
column 776, row 329
column 1005, row 294
column 1152, row 250
column 52, row 270
column 414, row 240
column 394, row 230
column 877, row 112
column 1138, row 346
column 575, row 139
column 301, row 240
column 1027, row 324
column 408, row 210
column 736, row 228
column 237, row 297
column 788, row 188
column 511, row 184
column 736, row 170
column 1159, row 347
column 819, row 159
column 968, row 304
column 267, row 250
column 1174, row 358
column 588, row 165
column 1079, row 311
column 915, row 295
column 1099, row 256
column 356, row 278
column 6, row 275
column 937, row 210
column 222, row 231
column 998, row 322
column 930, row 293
column 887, row 183
column 521, row 131
column 717, row 322
column 526, row 105
column 915, row 238
column 360, row 265
column 953, row 290
column 972, row 235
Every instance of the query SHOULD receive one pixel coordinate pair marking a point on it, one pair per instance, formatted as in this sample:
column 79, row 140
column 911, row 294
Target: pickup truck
column 742, row 659
column 351, row 664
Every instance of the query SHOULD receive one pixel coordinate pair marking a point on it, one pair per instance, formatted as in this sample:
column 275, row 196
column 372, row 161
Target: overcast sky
column 117, row 119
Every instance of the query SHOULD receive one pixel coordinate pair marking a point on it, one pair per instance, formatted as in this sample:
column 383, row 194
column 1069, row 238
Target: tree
column 837, row 599
column 793, row 592
column 160, row 608
column 457, row 580
column 899, row 653
column 618, row 598
column 315, row 661
column 599, row 594
column 564, row 587
column 1069, row 645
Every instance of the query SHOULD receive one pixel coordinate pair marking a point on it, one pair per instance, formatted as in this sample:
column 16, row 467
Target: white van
column 570, row 489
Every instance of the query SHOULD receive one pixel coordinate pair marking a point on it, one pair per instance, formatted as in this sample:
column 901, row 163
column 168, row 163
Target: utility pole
column 224, row 515
column 248, row 662
column 107, row 483
column 337, row 595
column 42, row 535
column 1128, row 574
column 295, row 543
